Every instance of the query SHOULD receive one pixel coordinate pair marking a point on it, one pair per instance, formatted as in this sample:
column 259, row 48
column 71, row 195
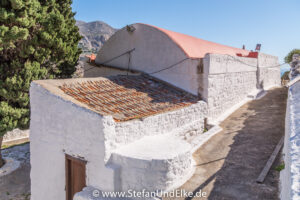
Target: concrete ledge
column 290, row 176
column 154, row 163
column 16, row 141
column 16, row 136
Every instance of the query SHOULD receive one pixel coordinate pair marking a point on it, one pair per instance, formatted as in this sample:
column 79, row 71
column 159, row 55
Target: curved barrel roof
column 197, row 48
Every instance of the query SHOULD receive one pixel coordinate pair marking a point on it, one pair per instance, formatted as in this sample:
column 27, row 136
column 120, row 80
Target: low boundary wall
column 15, row 136
column 290, row 176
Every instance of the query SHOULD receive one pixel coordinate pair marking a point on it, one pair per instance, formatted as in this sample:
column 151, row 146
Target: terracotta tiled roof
column 129, row 97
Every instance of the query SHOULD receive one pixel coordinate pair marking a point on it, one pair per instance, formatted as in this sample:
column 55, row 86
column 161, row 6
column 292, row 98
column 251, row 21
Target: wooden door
column 75, row 176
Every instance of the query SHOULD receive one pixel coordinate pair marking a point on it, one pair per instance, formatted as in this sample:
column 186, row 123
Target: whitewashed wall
column 59, row 127
column 150, row 173
column 169, row 122
column 227, row 81
column 154, row 51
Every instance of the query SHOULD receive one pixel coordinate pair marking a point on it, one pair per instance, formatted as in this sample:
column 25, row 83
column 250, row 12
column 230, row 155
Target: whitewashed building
column 135, row 120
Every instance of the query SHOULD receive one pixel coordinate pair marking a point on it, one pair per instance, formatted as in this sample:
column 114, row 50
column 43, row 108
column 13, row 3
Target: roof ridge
column 195, row 47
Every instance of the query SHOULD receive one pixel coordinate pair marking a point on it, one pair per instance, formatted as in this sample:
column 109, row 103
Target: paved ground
column 229, row 163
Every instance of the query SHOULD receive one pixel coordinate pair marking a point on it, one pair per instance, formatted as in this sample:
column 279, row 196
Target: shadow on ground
column 230, row 162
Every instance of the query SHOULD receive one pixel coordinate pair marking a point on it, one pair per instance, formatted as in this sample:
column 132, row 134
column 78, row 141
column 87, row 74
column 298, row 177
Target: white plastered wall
column 60, row 127
column 154, row 51
column 290, row 176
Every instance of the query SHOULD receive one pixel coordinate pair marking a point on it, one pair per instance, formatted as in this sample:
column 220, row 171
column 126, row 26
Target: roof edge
column 52, row 86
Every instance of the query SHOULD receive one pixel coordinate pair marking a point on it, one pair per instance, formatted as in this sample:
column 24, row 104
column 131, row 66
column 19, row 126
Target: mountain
column 94, row 34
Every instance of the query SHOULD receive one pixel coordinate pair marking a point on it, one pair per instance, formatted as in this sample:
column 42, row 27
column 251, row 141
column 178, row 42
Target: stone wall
column 228, row 81
column 183, row 122
column 290, row 176
column 268, row 71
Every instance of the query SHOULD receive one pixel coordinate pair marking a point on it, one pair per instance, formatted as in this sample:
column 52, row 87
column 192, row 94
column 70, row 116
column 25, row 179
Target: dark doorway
column 75, row 176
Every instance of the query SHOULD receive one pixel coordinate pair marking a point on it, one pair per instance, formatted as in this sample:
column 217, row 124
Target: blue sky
column 273, row 23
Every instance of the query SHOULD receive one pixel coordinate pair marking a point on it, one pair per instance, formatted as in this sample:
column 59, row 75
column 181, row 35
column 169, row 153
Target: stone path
column 229, row 163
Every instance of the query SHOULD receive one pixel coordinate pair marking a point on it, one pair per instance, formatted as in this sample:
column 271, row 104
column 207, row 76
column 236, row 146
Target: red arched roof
column 197, row 48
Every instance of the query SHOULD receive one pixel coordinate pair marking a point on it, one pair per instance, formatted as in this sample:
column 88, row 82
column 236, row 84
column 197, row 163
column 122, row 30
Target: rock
column 94, row 34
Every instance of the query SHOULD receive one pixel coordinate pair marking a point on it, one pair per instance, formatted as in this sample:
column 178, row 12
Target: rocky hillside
column 94, row 35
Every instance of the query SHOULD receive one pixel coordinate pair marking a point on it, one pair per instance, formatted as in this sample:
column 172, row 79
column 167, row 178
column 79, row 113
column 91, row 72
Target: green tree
column 38, row 40
column 289, row 57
